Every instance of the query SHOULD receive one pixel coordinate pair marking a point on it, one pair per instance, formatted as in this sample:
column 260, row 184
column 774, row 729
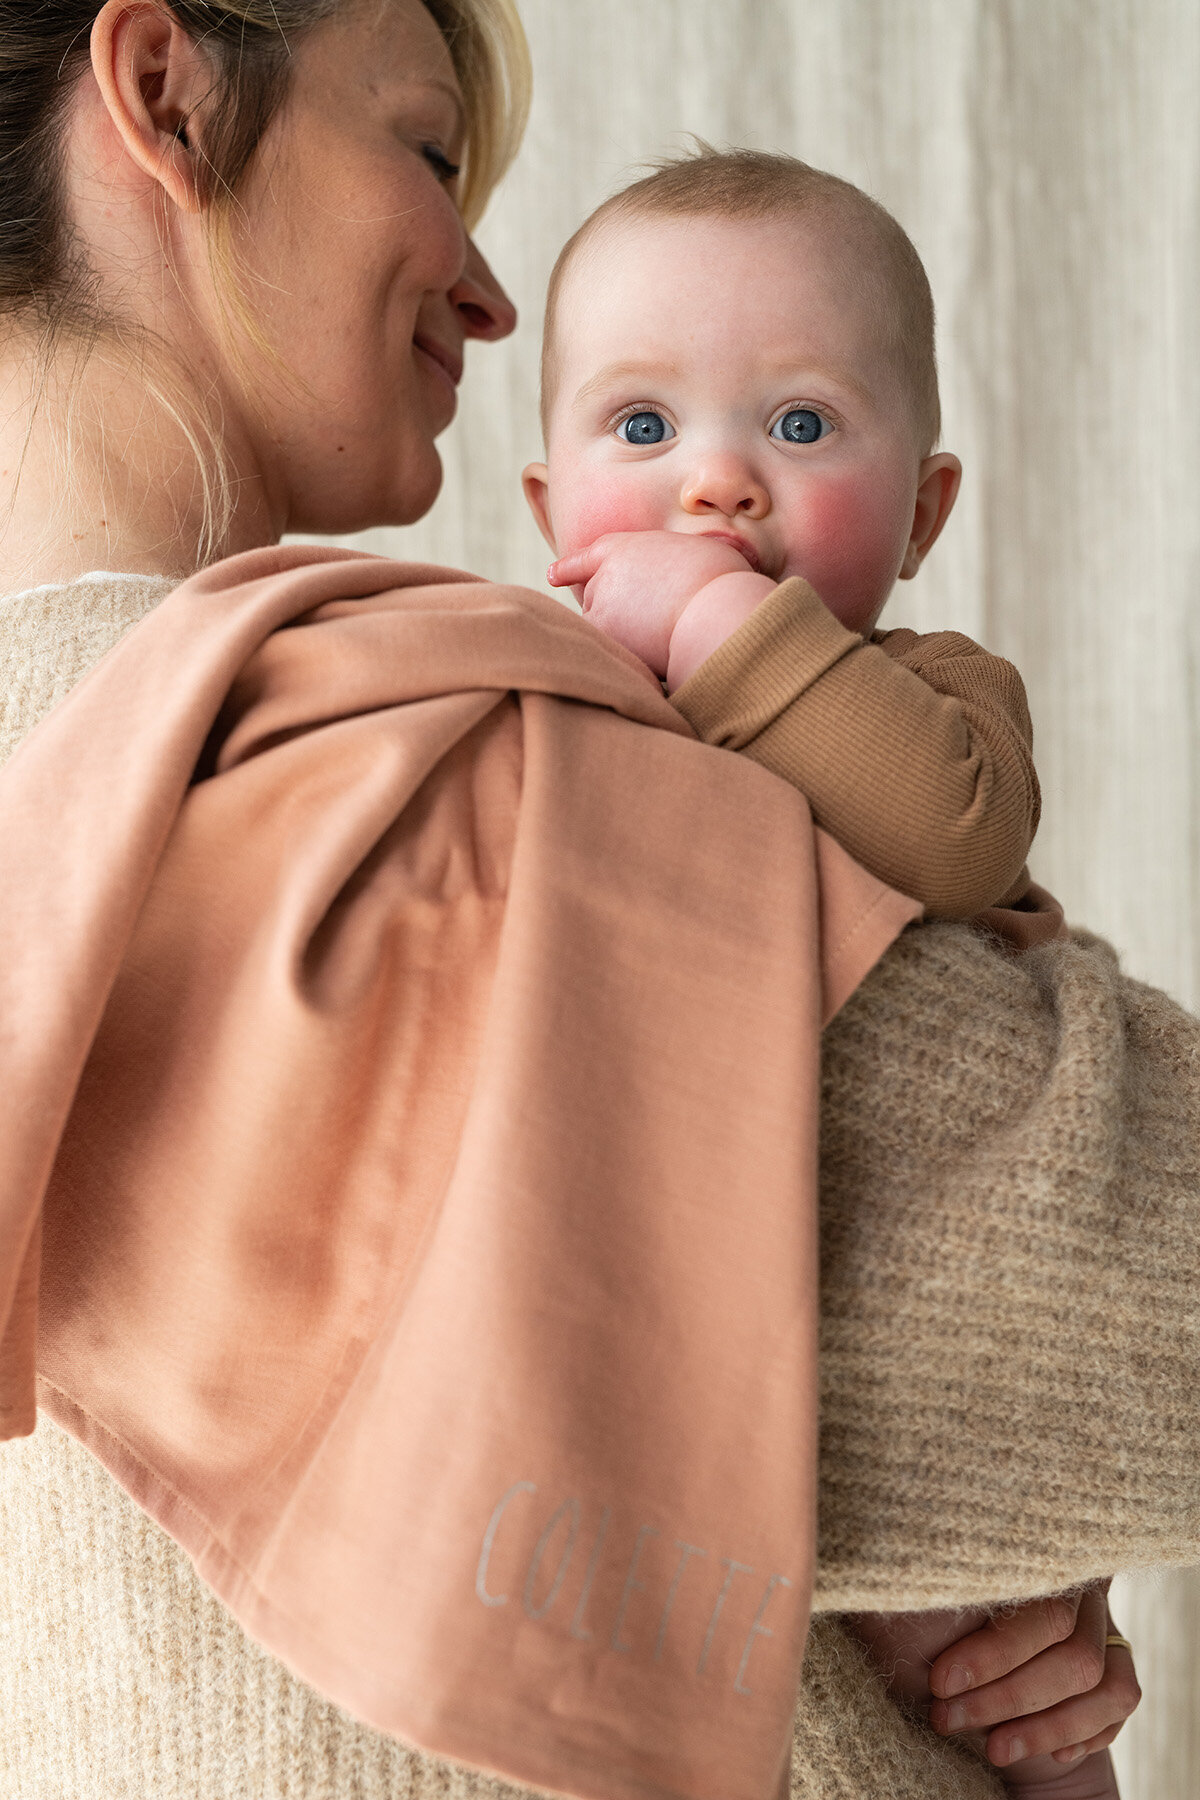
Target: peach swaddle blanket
column 411, row 1037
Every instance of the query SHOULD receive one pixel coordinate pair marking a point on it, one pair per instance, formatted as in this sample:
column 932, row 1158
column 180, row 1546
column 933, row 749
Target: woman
column 239, row 288
column 301, row 404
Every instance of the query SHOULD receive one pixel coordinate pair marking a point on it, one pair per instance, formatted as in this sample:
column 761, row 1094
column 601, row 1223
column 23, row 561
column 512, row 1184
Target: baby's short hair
column 759, row 184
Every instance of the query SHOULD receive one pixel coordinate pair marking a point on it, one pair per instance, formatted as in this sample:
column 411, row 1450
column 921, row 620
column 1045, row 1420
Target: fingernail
column 957, row 1681
column 1017, row 1751
column 956, row 1718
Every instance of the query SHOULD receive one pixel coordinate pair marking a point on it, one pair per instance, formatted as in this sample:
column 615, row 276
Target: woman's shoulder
column 51, row 635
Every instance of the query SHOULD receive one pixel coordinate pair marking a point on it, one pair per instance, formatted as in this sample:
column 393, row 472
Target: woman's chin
column 392, row 498
column 419, row 489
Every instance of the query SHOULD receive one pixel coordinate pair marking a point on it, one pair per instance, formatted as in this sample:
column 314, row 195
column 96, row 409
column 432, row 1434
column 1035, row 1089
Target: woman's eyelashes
column 440, row 163
column 647, row 427
column 800, row 425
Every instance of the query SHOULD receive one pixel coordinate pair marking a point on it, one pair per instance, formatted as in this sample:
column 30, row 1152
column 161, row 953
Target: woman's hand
column 1040, row 1681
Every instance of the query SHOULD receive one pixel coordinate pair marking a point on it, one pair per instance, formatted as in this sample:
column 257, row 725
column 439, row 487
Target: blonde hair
column 45, row 284
column 758, row 184
column 487, row 45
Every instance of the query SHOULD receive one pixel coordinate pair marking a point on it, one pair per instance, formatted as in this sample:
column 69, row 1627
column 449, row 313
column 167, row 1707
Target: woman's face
column 361, row 273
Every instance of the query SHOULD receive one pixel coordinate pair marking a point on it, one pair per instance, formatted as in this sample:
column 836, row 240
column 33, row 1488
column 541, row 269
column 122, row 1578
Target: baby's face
column 717, row 376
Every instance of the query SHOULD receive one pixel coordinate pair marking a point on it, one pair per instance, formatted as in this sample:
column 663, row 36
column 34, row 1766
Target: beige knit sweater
column 1011, row 1354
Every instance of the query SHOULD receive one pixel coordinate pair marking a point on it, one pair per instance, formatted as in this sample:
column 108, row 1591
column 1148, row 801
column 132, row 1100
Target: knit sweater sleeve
column 915, row 752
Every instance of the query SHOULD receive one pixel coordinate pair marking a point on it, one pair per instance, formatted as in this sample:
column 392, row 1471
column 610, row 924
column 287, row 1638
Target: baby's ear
column 937, row 490
column 536, row 482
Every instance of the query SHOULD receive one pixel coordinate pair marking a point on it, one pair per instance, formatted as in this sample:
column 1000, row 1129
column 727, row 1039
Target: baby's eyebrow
column 838, row 373
column 613, row 374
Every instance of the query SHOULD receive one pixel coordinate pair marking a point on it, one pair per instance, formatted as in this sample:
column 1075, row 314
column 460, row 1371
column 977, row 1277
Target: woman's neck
column 102, row 467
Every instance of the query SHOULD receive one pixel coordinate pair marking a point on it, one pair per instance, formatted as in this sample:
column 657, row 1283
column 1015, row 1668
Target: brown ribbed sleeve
column 915, row 752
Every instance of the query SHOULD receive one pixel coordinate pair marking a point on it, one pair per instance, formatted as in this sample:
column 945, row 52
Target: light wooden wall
column 1045, row 157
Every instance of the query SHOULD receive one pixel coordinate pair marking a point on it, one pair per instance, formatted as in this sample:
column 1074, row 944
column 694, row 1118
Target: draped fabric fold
column 411, row 1040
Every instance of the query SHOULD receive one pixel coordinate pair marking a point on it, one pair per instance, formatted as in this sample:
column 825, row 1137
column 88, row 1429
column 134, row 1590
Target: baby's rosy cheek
column 854, row 533
column 601, row 505
column 848, row 522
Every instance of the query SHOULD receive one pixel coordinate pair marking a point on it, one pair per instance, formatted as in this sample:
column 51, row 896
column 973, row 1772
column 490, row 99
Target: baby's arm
column 915, row 753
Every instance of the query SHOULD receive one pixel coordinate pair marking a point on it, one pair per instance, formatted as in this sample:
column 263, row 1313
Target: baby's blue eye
column 644, row 428
column 800, row 426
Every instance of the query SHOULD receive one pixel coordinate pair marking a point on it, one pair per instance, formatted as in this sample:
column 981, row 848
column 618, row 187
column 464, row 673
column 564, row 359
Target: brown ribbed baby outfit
column 915, row 752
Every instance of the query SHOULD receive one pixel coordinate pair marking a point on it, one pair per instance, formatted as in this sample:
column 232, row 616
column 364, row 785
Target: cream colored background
column 1045, row 157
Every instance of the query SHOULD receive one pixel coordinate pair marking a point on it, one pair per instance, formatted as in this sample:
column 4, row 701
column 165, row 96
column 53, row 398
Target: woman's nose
column 480, row 302
column 726, row 485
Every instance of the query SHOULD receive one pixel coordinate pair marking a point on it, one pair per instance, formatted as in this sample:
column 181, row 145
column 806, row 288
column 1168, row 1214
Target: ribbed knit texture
column 1011, row 1358
column 1010, row 1294
column 851, row 1742
column 51, row 636
column 915, row 752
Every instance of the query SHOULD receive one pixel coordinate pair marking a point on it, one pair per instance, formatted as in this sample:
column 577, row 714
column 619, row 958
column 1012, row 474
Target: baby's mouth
column 742, row 545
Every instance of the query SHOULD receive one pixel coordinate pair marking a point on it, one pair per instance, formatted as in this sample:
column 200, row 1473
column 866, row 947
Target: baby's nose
column 727, row 485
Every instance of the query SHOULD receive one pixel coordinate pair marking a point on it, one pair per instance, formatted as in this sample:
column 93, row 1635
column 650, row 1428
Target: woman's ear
column 536, row 483
column 151, row 75
column 937, row 490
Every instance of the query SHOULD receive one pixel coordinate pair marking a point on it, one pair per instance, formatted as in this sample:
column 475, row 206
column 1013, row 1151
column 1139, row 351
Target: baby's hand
column 635, row 584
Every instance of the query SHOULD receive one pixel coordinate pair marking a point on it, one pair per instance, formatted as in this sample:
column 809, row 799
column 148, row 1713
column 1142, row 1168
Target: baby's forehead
column 642, row 266
column 620, row 242
column 682, row 288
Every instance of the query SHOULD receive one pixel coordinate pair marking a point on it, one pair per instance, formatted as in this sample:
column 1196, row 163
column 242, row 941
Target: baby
column 740, row 405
